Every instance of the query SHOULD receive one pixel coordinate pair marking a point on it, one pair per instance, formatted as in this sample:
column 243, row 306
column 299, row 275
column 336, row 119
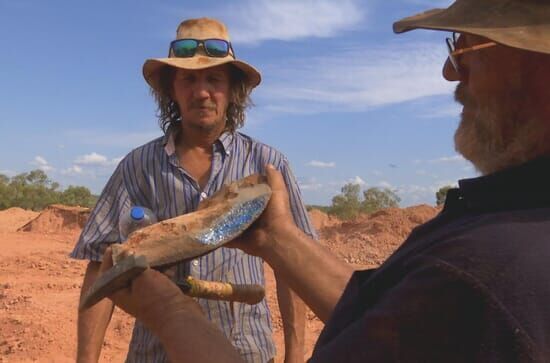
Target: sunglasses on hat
column 186, row 48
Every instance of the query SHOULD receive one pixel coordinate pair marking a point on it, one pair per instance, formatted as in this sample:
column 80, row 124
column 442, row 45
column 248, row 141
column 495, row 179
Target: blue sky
column 343, row 97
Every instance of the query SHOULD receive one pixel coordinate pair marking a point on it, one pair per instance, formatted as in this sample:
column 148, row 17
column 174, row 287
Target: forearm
column 186, row 334
column 316, row 275
column 92, row 322
column 293, row 314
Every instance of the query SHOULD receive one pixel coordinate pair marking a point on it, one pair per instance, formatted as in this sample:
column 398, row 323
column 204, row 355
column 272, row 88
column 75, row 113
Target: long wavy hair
column 168, row 111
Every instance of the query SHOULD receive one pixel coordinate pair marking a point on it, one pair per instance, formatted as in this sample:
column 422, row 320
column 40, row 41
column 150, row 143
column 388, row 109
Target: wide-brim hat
column 523, row 24
column 203, row 28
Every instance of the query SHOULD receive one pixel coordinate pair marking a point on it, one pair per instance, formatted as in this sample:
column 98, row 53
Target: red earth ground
column 40, row 285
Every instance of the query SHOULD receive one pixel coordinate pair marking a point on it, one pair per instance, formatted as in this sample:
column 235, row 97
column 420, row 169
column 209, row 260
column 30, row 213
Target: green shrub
column 34, row 190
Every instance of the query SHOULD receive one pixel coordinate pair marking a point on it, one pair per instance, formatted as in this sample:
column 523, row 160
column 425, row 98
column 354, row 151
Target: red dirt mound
column 13, row 218
column 321, row 220
column 58, row 218
column 370, row 239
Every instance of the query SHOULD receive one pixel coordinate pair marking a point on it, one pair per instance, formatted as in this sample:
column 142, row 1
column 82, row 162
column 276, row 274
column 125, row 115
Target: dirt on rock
column 40, row 284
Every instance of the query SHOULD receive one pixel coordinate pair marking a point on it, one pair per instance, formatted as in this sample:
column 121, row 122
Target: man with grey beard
column 468, row 286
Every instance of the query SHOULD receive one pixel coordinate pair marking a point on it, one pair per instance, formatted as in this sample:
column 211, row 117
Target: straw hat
column 523, row 24
column 203, row 28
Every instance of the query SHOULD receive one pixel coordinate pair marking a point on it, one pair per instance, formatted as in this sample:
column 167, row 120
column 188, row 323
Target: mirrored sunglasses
column 185, row 48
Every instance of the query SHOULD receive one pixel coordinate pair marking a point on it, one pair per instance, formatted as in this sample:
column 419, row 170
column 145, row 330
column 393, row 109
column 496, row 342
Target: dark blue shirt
column 469, row 286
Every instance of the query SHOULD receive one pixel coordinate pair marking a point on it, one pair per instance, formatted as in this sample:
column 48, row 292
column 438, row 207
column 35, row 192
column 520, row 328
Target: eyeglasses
column 185, row 48
column 454, row 51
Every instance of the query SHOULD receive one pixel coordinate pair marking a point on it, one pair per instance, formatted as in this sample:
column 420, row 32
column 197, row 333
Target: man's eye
column 187, row 78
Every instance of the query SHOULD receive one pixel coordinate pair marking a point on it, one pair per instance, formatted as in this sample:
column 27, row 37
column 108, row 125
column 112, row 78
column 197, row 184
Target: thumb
column 107, row 261
column 275, row 179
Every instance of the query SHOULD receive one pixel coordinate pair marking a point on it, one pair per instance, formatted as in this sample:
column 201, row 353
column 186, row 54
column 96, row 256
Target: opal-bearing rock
column 218, row 220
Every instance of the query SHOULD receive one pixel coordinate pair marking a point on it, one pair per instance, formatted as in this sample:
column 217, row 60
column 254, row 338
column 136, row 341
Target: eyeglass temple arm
column 472, row 48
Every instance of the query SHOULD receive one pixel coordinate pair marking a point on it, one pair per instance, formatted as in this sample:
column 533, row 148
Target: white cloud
column 449, row 159
column 358, row 79
column 413, row 193
column 39, row 160
column 321, row 164
column 92, row 159
column 445, row 111
column 95, row 159
column 41, row 163
column 385, row 184
column 310, row 184
column 443, row 183
column 73, row 170
column 358, row 180
column 258, row 20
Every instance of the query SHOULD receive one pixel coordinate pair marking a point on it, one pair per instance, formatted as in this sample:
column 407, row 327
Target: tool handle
column 249, row 294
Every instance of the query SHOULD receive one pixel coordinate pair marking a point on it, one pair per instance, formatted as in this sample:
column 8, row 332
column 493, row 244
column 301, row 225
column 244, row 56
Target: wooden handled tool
column 122, row 273
column 249, row 294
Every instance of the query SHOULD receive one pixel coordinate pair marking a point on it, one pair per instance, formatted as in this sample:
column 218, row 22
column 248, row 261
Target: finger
column 275, row 179
column 107, row 262
column 122, row 299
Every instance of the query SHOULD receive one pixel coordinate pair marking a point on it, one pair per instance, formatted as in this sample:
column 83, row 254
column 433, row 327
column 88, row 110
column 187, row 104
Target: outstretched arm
column 177, row 320
column 315, row 274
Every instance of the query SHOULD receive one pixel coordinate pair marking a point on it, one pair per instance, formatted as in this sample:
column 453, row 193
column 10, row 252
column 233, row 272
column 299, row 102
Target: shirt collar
column 224, row 141
column 523, row 186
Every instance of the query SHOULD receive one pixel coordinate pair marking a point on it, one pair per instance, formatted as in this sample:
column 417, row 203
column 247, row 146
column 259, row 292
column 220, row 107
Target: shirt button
column 195, row 263
column 203, row 195
column 227, row 153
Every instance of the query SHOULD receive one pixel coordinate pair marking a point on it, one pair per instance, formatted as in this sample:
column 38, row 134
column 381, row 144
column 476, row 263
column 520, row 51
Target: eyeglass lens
column 451, row 46
column 212, row 47
column 185, row 47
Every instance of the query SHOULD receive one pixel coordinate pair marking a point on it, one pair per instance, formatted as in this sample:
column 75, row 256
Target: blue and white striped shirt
column 151, row 176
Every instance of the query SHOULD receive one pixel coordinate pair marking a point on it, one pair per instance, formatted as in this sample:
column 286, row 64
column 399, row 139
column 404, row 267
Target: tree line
column 34, row 190
column 350, row 202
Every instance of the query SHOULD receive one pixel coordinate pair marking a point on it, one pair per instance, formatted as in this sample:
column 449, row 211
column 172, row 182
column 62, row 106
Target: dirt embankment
column 40, row 285
column 57, row 218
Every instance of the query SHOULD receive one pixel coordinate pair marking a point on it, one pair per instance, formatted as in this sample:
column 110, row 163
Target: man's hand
column 173, row 317
column 275, row 220
column 152, row 297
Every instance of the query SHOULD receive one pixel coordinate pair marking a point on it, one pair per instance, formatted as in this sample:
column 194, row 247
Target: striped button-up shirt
column 152, row 176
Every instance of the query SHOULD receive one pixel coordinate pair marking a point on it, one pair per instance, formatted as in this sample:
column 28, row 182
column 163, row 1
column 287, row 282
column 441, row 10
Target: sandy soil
column 40, row 285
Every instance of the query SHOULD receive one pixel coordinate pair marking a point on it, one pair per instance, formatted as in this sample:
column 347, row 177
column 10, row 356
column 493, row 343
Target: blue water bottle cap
column 137, row 213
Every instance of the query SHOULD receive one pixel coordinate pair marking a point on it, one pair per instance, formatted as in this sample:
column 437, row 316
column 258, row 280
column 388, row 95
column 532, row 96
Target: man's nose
column 449, row 72
column 201, row 89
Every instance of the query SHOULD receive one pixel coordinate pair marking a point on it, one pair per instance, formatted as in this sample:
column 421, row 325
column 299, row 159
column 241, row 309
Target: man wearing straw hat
column 470, row 285
column 202, row 91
